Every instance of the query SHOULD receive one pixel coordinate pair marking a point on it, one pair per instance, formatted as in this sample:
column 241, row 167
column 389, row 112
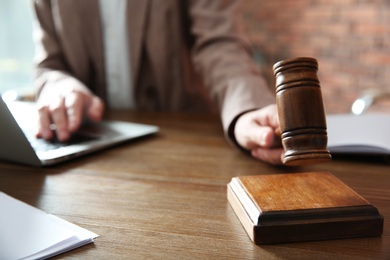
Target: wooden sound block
column 298, row 207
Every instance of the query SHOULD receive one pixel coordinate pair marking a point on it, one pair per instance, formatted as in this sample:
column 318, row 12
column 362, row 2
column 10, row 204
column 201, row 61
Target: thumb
column 254, row 135
column 260, row 136
column 95, row 109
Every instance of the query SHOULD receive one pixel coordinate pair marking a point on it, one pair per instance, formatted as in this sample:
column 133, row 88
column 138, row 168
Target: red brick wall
column 349, row 38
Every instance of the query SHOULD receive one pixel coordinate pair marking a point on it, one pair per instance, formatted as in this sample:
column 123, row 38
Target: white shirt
column 116, row 54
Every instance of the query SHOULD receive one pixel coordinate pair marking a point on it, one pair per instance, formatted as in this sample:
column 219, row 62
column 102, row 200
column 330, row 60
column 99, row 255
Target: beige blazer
column 184, row 55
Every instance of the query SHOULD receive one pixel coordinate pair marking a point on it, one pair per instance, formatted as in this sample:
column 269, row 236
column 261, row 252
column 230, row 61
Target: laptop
column 18, row 142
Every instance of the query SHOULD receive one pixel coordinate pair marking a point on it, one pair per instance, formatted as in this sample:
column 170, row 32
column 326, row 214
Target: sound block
column 296, row 207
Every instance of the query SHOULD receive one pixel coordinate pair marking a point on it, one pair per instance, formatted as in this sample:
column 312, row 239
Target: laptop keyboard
column 42, row 145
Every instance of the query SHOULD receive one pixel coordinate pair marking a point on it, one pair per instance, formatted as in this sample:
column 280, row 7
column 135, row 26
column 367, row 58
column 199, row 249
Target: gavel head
column 301, row 112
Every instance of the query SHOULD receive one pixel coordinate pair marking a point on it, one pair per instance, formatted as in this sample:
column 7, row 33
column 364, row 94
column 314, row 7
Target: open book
column 29, row 233
column 367, row 134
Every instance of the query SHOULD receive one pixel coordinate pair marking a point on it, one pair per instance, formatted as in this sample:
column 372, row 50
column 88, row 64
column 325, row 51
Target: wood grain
column 300, row 191
column 164, row 197
column 298, row 207
column 301, row 111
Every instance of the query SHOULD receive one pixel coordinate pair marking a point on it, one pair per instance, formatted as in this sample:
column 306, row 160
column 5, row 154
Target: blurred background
column 16, row 46
column 349, row 38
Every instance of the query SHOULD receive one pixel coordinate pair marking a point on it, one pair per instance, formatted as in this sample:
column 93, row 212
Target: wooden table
column 165, row 196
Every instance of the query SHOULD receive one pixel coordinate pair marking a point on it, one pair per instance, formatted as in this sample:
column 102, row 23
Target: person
column 150, row 55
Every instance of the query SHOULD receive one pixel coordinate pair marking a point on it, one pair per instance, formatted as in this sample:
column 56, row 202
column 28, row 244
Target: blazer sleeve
column 223, row 58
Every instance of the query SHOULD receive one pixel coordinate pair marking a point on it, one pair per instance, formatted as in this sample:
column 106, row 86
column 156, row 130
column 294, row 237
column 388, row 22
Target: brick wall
column 349, row 38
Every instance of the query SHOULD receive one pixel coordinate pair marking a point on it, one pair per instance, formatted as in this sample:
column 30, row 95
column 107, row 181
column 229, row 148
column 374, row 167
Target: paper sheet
column 29, row 232
column 364, row 134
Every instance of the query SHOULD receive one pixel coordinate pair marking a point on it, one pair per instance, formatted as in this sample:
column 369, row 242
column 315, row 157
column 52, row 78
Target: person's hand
column 255, row 131
column 65, row 110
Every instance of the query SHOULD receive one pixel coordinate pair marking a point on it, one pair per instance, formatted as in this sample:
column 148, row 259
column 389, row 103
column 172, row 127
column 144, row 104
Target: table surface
column 164, row 196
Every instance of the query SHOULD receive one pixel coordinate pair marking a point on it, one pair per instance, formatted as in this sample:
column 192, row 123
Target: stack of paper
column 29, row 233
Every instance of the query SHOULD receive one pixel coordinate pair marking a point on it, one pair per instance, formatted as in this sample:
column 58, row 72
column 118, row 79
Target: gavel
column 301, row 112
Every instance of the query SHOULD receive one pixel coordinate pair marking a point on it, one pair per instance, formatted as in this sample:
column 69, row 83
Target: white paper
column 363, row 134
column 29, row 233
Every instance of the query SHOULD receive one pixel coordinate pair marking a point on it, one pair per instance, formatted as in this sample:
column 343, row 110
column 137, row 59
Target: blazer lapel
column 137, row 12
column 94, row 42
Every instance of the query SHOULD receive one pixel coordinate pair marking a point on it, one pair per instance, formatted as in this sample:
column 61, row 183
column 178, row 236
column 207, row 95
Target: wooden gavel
column 301, row 112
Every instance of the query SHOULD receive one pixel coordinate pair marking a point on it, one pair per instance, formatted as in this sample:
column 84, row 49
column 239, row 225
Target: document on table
column 29, row 233
column 364, row 134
